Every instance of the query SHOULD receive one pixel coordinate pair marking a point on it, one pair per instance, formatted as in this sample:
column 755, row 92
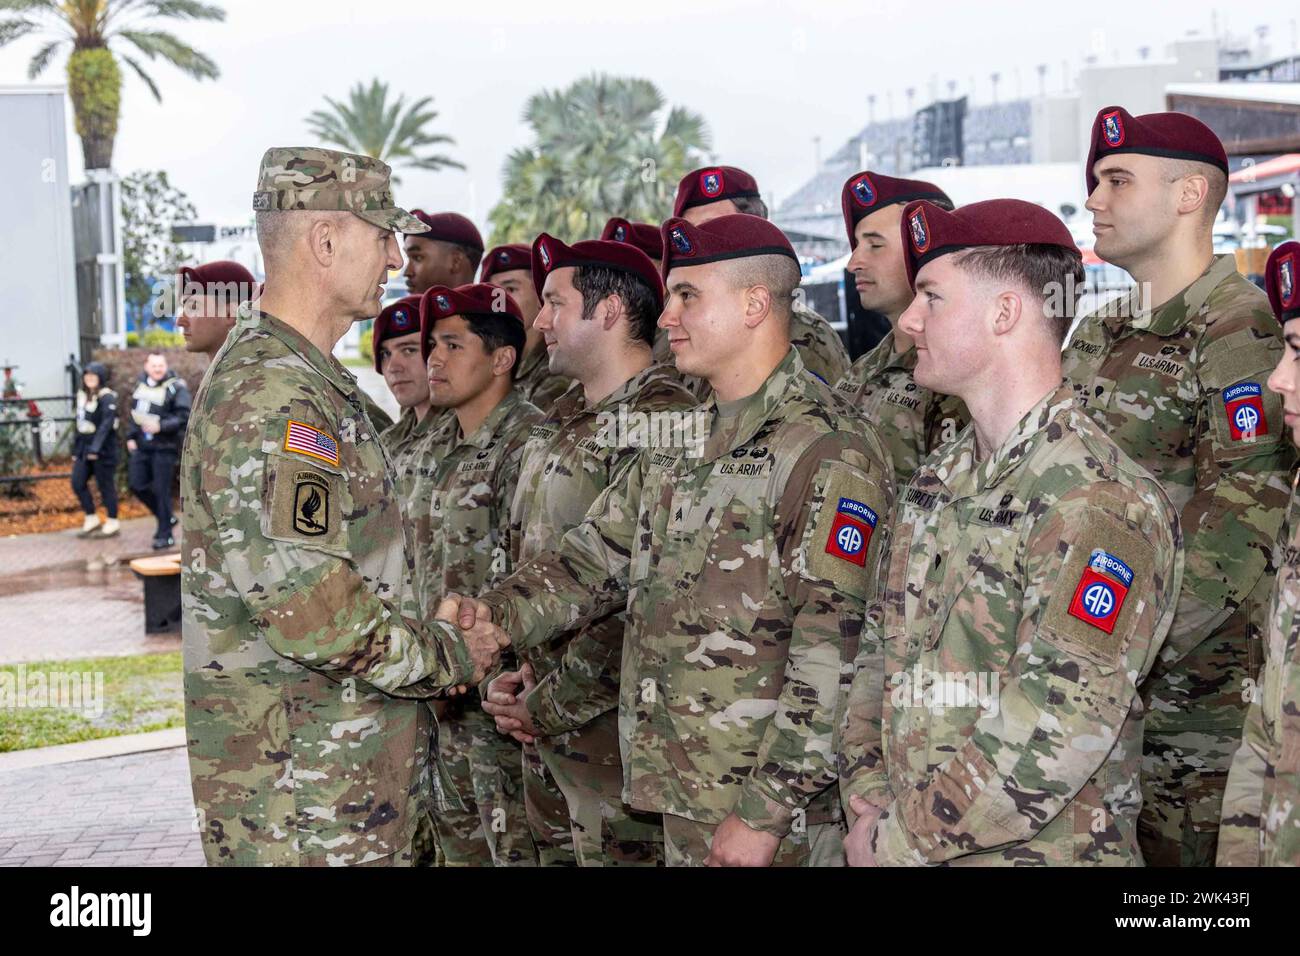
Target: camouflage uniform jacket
column 402, row 441
column 420, row 477
column 912, row 421
column 743, row 617
column 570, row 458
column 299, row 624
column 465, row 549
column 1170, row 386
column 533, row 379
column 1024, row 597
column 1261, row 807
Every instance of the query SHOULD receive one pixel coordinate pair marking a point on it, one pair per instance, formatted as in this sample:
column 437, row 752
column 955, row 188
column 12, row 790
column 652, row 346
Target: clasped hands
column 484, row 639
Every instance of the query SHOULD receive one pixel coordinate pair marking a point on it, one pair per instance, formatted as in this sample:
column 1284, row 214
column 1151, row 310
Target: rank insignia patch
column 1102, row 589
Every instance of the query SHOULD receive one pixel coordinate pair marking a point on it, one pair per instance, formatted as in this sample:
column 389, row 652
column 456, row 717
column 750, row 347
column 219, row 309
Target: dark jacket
column 169, row 399
column 96, row 432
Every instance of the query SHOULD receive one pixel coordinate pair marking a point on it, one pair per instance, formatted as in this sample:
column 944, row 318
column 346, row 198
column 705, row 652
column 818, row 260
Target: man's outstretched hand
column 483, row 638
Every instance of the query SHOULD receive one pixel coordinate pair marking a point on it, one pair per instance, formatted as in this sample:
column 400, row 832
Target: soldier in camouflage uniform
column 912, row 422
column 304, row 654
column 395, row 343
column 510, row 267
column 1261, row 803
column 1179, row 386
column 472, row 337
column 742, row 570
column 574, row 777
column 1031, row 578
column 715, row 191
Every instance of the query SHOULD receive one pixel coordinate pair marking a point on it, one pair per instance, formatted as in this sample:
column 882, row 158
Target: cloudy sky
column 768, row 77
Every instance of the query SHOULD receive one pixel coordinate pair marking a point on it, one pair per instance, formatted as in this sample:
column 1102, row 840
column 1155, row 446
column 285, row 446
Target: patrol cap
column 397, row 319
column 450, row 227
column 1282, row 281
column 1171, row 135
column 866, row 192
column 737, row 236
column 930, row 232
column 713, row 184
column 517, row 255
column 477, row 298
column 309, row 177
column 550, row 254
column 643, row 235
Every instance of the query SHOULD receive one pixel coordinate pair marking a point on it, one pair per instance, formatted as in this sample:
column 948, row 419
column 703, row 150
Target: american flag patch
column 306, row 440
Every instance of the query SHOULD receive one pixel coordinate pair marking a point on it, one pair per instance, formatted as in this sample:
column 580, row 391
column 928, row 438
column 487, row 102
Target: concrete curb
column 93, row 749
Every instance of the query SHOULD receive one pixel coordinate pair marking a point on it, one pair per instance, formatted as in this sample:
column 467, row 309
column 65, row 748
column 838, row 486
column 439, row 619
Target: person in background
column 210, row 297
column 160, row 409
column 94, row 450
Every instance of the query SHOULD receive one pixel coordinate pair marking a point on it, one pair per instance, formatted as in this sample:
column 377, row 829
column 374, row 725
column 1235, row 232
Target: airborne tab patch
column 851, row 532
column 1244, row 405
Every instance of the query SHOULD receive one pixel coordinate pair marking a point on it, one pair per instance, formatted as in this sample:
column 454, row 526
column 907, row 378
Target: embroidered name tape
column 1244, row 405
column 311, row 442
column 1101, row 591
column 850, row 535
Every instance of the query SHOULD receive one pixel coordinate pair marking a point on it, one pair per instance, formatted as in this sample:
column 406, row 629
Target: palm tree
column 97, row 29
column 602, row 147
column 368, row 124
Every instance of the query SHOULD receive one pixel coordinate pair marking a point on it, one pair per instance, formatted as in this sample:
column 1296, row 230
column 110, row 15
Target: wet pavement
column 65, row 597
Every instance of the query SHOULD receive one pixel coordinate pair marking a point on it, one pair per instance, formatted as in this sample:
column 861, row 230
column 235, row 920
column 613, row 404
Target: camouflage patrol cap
column 308, row 177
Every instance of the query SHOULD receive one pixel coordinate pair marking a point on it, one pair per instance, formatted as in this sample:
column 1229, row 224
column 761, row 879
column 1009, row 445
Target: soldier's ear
column 758, row 304
column 503, row 360
column 1194, row 191
column 1008, row 310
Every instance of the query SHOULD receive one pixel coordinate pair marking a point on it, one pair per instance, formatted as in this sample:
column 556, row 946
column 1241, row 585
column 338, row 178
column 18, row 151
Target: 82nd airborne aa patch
column 1102, row 588
column 1243, row 403
column 850, row 535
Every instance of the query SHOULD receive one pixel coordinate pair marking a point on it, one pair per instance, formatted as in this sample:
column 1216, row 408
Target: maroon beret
column 1282, row 280
column 506, row 259
column 1171, row 135
column 736, row 236
column 643, row 235
column 713, row 184
column 550, row 254
column 449, row 227
column 865, row 192
column 930, row 232
column 221, row 272
column 397, row 319
column 479, row 298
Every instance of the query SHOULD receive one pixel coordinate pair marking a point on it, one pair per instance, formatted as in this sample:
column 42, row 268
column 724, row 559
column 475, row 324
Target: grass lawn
column 140, row 693
column 358, row 361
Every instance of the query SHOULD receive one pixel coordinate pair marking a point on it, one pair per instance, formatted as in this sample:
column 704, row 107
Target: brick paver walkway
column 135, row 810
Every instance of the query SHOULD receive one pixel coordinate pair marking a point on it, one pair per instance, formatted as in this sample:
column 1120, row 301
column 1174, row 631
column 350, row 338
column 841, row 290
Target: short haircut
column 780, row 274
column 596, row 282
column 472, row 253
column 1052, row 273
column 498, row 331
column 750, row 206
column 279, row 229
column 1216, row 192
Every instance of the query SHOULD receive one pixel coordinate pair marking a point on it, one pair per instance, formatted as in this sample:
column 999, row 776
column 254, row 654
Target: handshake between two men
column 506, row 695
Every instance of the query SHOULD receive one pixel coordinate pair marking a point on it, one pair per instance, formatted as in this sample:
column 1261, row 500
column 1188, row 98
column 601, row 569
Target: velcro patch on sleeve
column 838, row 538
column 303, row 439
column 306, row 506
column 1092, row 605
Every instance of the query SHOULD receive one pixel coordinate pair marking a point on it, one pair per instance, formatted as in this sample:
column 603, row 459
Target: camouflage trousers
column 584, row 767
column 686, row 843
column 1183, row 779
column 547, row 812
column 486, row 770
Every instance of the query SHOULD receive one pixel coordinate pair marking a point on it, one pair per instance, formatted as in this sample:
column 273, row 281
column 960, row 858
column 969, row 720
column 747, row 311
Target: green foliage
column 97, row 29
column 605, row 146
column 151, row 206
column 366, row 347
column 15, row 441
column 157, row 338
column 372, row 126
